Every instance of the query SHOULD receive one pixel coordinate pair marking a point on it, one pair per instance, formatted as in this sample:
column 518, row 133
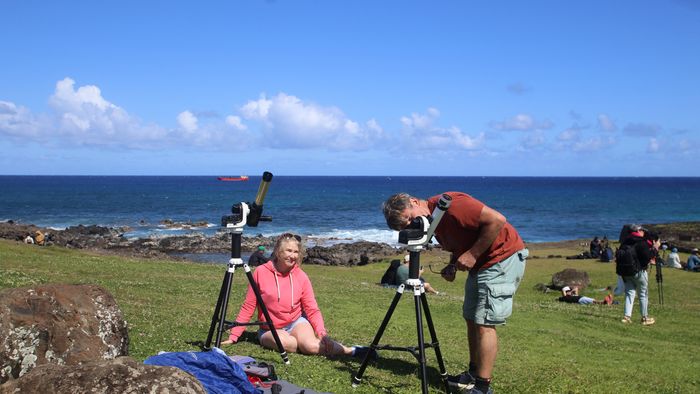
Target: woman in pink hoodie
column 289, row 298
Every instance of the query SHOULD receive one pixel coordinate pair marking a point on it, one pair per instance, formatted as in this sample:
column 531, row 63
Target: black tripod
column 416, row 236
column 242, row 214
column 660, row 276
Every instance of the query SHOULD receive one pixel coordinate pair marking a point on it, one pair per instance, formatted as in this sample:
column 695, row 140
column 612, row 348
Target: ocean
column 345, row 208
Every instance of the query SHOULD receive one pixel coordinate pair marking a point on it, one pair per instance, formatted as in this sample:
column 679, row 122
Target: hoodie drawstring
column 291, row 284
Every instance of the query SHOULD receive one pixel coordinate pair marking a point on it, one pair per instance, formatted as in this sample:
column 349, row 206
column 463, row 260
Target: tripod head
column 420, row 231
column 249, row 213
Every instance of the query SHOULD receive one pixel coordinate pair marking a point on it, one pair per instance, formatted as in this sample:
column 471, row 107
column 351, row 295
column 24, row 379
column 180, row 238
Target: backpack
column 626, row 261
column 607, row 255
column 389, row 277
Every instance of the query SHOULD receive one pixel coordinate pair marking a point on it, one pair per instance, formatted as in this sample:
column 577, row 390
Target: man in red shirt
column 485, row 244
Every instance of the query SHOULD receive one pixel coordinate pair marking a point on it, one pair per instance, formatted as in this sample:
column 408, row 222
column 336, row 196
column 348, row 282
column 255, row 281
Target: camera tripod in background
column 660, row 274
column 416, row 236
column 250, row 214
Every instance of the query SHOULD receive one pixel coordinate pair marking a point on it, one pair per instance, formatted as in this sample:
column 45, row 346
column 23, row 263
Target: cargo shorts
column 488, row 294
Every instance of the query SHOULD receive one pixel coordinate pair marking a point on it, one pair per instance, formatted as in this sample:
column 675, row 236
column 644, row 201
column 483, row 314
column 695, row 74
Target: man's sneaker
column 647, row 321
column 462, row 382
column 362, row 351
column 627, row 319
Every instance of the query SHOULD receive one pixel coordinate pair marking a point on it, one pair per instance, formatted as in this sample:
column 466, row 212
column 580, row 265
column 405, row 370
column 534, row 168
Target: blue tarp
column 214, row 369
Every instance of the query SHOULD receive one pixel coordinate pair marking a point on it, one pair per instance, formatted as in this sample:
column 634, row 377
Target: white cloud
column 18, row 121
column 84, row 117
column 532, row 140
column 522, row 122
column 653, row 145
column 420, row 127
column 605, row 123
column 289, row 122
column 592, row 144
column 235, row 122
column 570, row 134
column 187, row 121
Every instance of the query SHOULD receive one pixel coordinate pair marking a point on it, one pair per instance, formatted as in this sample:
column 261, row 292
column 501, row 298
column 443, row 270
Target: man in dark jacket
column 258, row 257
column 645, row 250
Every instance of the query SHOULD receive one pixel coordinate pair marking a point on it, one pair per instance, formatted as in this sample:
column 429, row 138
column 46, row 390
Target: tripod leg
column 263, row 308
column 224, row 306
column 215, row 316
column 421, row 340
column 436, row 344
column 397, row 296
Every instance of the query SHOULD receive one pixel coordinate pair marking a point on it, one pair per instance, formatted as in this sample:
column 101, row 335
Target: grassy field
column 547, row 346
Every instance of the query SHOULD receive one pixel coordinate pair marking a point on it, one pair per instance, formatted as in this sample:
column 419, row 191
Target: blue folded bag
column 214, row 369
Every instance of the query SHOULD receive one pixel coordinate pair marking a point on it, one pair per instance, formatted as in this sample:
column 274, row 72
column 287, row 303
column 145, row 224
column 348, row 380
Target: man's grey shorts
column 488, row 294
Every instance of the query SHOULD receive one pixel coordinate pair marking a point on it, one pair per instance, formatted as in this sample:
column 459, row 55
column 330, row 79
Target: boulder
column 120, row 375
column 58, row 324
column 570, row 277
column 349, row 254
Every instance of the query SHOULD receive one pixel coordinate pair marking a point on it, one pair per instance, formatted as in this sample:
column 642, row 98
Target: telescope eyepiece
column 444, row 202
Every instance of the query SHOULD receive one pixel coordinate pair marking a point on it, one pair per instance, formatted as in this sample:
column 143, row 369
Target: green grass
column 546, row 347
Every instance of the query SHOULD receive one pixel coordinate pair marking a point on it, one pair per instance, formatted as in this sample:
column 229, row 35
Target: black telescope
column 250, row 213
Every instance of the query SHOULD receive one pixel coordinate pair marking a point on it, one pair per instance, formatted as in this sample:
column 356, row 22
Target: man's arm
column 490, row 224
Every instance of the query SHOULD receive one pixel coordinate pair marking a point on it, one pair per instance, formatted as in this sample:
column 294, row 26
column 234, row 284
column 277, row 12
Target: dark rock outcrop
column 358, row 253
column 58, row 324
column 121, row 375
column 570, row 277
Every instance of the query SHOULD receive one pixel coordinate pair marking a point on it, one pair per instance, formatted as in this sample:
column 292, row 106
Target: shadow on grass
column 245, row 337
column 396, row 367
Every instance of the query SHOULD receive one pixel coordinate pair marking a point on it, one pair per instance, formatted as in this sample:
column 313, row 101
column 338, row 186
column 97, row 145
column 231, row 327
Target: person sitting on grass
column 674, row 260
column 693, row 263
column 570, row 295
column 402, row 275
column 258, row 257
column 289, row 297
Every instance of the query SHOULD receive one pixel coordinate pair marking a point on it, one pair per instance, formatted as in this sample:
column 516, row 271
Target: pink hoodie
column 286, row 296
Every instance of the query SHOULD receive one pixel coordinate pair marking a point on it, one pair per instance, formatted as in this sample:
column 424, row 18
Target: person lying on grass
column 570, row 295
column 289, row 297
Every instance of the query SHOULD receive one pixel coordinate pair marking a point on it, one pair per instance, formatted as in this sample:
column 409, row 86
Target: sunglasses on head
column 290, row 236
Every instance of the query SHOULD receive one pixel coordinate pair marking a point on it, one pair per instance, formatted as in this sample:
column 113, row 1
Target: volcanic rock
column 570, row 277
column 58, row 324
column 348, row 254
column 121, row 375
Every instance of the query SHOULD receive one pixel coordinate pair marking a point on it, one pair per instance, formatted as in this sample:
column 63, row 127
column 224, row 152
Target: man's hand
column 466, row 261
column 449, row 272
column 227, row 342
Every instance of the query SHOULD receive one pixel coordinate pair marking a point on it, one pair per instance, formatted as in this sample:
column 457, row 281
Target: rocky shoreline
column 113, row 241
column 682, row 235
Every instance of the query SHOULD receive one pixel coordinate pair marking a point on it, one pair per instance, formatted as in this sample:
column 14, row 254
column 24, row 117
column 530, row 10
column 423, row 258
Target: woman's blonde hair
column 288, row 237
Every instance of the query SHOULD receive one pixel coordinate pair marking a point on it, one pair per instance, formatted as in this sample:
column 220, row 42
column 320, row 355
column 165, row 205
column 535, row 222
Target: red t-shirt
column 459, row 229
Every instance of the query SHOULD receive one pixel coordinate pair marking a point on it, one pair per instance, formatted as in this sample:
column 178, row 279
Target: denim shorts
column 289, row 327
column 488, row 294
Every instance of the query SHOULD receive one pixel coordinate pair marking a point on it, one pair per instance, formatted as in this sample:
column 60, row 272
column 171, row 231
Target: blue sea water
column 349, row 208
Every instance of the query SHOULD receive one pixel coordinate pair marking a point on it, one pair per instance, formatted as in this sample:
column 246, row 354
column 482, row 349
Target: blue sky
column 536, row 88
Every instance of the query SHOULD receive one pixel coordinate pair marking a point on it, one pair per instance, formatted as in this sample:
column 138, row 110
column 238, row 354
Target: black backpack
column 626, row 261
column 389, row 277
